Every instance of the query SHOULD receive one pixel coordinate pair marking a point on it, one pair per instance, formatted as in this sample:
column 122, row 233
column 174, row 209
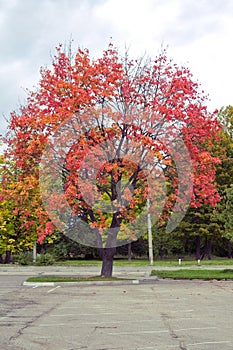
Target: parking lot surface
column 166, row 314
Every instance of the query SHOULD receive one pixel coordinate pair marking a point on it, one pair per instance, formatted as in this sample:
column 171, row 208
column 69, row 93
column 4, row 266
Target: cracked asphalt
column 166, row 314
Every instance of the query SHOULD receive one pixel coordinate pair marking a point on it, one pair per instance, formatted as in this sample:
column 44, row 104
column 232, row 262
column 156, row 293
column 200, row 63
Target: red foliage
column 147, row 104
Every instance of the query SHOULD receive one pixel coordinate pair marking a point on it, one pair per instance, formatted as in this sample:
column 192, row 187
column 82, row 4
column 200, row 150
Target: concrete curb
column 41, row 284
column 90, row 283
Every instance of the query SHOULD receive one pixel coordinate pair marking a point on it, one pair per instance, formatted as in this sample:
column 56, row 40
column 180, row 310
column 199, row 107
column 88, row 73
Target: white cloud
column 198, row 33
column 210, row 58
column 139, row 24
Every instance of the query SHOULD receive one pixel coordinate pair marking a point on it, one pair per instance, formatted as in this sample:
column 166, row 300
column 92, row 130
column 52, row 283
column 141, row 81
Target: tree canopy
column 101, row 136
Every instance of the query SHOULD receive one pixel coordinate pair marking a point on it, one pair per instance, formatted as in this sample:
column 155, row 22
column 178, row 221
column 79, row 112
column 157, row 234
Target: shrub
column 24, row 258
column 45, row 259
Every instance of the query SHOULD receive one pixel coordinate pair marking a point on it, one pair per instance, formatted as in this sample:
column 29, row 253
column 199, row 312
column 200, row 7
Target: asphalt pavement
column 164, row 314
column 137, row 272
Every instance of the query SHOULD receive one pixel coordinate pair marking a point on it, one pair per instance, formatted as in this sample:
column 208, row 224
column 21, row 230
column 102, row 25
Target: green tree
column 20, row 202
column 228, row 213
column 206, row 225
column 224, row 174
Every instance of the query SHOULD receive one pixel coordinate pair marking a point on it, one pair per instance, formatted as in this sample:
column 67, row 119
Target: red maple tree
column 105, row 137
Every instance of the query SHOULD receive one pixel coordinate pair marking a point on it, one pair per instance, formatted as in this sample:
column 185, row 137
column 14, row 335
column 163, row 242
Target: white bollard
column 198, row 262
column 179, row 261
column 34, row 253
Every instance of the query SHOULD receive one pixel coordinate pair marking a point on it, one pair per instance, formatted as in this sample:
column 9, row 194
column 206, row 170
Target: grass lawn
column 73, row 279
column 195, row 274
column 122, row 262
column 117, row 262
column 78, row 262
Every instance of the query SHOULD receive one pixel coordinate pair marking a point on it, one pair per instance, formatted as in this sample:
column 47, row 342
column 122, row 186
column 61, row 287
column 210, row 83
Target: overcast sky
column 198, row 33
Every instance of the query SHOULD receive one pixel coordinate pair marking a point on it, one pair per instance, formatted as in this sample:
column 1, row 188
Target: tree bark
column 198, row 247
column 107, row 261
column 229, row 249
column 209, row 249
column 161, row 253
column 7, row 257
column 109, row 251
column 1, row 259
column 129, row 251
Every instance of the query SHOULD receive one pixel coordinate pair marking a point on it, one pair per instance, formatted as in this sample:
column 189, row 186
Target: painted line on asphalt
column 156, row 348
column 96, row 314
column 148, row 348
column 140, row 332
column 172, row 299
column 51, row 324
column 194, row 329
column 119, row 322
column 211, row 342
column 181, row 311
column 187, row 318
column 162, row 331
column 81, row 307
column 52, row 290
column 3, row 318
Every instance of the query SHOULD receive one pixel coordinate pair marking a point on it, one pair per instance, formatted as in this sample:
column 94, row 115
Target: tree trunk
column 107, row 261
column 1, row 259
column 7, row 257
column 161, row 253
column 109, row 251
column 229, row 249
column 209, row 248
column 198, row 247
column 129, row 251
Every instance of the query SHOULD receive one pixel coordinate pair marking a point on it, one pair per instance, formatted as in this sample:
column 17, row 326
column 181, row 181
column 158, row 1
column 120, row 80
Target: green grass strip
column 195, row 274
column 125, row 262
column 72, row 279
column 99, row 262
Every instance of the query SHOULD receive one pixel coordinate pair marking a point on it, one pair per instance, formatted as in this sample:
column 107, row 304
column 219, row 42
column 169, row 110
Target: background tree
column 228, row 214
column 131, row 112
column 224, row 174
column 224, row 149
column 18, row 211
column 207, row 224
